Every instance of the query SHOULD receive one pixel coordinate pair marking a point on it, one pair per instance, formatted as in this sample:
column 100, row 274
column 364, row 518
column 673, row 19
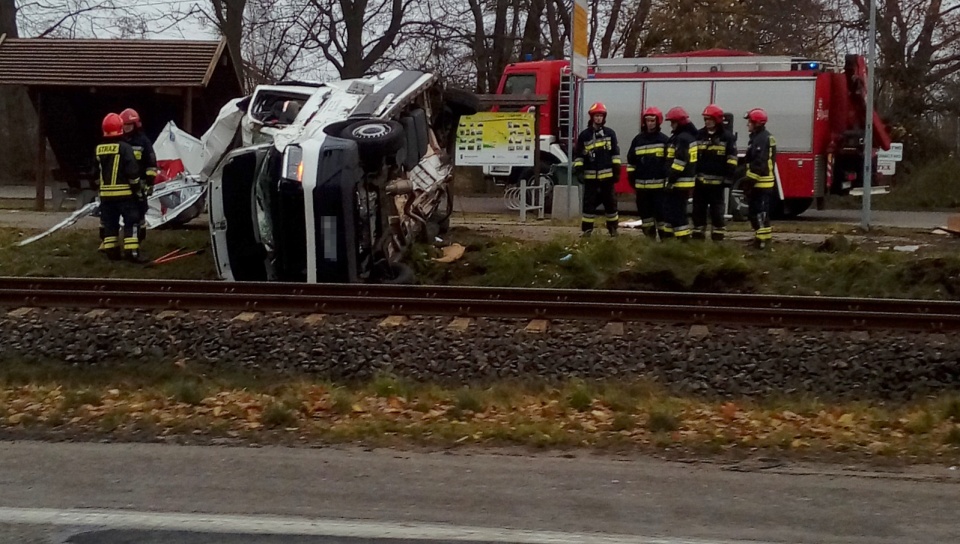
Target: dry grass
column 596, row 415
column 73, row 252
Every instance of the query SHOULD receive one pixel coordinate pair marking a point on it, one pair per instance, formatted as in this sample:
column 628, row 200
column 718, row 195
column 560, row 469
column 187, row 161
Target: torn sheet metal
column 176, row 202
column 89, row 209
column 176, row 146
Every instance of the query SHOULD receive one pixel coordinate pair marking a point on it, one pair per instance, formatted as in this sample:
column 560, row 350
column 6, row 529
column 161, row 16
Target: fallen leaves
column 536, row 417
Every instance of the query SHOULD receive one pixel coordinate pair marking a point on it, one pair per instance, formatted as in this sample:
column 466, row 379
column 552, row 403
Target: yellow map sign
column 496, row 139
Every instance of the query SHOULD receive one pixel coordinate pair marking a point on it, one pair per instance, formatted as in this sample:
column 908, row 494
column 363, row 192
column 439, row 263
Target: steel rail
column 263, row 289
column 474, row 302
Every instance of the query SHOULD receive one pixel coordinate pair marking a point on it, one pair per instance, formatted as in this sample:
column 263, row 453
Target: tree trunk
column 229, row 14
column 8, row 18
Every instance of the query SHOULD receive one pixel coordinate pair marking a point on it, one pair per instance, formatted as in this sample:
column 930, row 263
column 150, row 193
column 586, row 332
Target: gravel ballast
column 727, row 361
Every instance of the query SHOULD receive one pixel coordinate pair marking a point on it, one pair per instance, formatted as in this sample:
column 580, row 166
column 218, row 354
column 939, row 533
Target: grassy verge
column 934, row 186
column 835, row 268
column 157, row 400
column 73, row 252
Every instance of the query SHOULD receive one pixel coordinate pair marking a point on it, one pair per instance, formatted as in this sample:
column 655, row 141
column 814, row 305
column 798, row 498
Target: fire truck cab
column 817, row 112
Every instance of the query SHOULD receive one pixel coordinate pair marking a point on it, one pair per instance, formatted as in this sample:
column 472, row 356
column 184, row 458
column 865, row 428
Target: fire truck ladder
column 564, row 105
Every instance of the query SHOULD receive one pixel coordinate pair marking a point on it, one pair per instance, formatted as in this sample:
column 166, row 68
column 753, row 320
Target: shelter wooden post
column 188, row 110
column 41, row 172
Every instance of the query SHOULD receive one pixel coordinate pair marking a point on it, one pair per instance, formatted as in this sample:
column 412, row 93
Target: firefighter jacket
column 682, row 157
column 117, row 170
column 716, row 156
column 647, row 160
column 761, row 158
column 146, row 157
column 597, row 153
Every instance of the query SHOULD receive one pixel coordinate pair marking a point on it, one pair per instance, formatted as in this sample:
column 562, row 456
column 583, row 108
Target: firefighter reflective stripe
column 151, row 172
column 578, row 162
column 110, row 242
column 656, row 150
column 732, row 160
column 137, row 152
column 613, row 217
column 765, row 233
column 649, row 183
column 678, row 165
column 684, row 183
column 680, row 232
column 616, row 161
column 131, row 243
column 671, row 152
column 718, row 149
column 606, row 173
column 588, row 218
column 600, row 143
column 710, row 179
column 631, row 168
column 693, row 153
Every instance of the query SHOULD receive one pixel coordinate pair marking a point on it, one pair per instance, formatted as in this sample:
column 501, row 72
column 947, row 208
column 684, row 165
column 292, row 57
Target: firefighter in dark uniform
column 119, row 181
column 597, row 162
column 146, row 158
column 646, row 167
column 681, row 173
column 760, row 160
column 716, row 164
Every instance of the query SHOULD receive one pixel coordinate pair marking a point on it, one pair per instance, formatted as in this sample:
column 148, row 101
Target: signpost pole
column 868, row 125
column 579, row 52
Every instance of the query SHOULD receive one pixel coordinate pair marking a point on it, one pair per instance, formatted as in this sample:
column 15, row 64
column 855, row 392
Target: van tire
column 461, row 102
column 377, row 137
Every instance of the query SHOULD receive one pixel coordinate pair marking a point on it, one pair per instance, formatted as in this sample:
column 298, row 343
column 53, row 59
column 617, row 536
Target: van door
column 239, row 253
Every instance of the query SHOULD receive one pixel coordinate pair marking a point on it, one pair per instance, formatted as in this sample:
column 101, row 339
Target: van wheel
column 399, row 274
column 375, row 137
column 461, row 102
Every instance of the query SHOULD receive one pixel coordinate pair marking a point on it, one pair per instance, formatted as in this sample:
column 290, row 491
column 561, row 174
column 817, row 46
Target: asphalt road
column 913, row 220
column 48, row 491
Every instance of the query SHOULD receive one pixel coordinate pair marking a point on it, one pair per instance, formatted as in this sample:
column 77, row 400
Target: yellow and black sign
column 496, row 139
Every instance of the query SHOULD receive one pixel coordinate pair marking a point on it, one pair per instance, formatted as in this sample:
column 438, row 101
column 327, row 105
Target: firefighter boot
column 699, row 233
column 134, row 256
column 612, row 229
column 650, row 231
column 717, row 235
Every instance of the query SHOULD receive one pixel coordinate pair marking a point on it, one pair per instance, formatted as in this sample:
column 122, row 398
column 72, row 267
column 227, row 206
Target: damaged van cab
column 332, row 182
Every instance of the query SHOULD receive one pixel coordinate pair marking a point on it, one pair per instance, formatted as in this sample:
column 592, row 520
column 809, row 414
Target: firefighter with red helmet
column 716, row 164
column 681, row 173
column 647, row 170
column 146, row 158
column 596, row 159
column 118, row 174
column 760, row 160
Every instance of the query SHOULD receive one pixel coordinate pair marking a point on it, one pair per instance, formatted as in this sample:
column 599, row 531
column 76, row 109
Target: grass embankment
column 834, row 268
column 150, row 401
column 73, row 253
column 933, row 186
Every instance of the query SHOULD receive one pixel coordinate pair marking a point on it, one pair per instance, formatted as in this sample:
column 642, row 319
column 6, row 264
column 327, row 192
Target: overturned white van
column 331, row 182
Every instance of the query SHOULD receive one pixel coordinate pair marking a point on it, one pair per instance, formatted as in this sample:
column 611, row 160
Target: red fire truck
column 817, row 112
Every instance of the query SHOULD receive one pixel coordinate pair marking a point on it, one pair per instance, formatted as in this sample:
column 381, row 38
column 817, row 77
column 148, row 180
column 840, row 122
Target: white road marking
column 276, row 525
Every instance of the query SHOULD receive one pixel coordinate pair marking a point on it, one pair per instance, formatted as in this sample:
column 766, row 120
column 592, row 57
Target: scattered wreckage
column 179, row 193
column 331, row 182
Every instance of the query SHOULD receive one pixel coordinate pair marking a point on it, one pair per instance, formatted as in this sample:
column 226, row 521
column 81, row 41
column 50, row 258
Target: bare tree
column 353, row 35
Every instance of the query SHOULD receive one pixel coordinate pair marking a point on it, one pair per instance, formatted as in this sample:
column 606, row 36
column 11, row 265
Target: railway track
column 359, row 299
